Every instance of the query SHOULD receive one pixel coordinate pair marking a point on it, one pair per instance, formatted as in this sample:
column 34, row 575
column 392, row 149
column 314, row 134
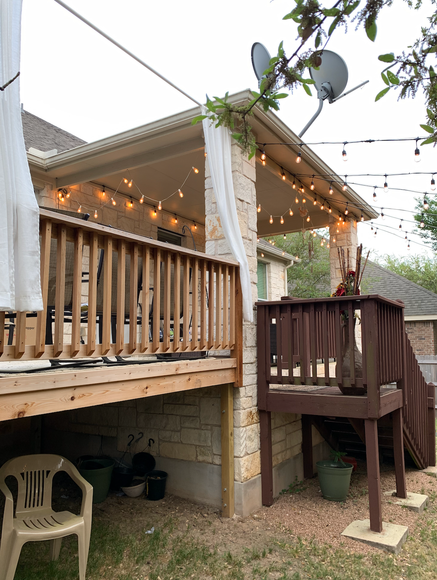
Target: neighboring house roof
column 44, row 136
column 420, row 304
column 271, row 250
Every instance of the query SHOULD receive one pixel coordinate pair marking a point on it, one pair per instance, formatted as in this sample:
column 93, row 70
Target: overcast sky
column 77, row 80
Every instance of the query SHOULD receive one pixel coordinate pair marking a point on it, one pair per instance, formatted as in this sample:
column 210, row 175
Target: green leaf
column 381, row 94
column 429, row 140
column 351, row 7
column 385, row 79
column 309, row 81
column 307, row 89
column 371, row 29
column 333, row 25
column 431, row 72
column 198, row 118
column 237, row 135
column 386, row 57
column 273, row 60
column 281, row 95
column 255, row 94
column 330, row 11
column 281, row 49
column 427, row 128
column 392, row 78
column 432, row 49
column 318, row 39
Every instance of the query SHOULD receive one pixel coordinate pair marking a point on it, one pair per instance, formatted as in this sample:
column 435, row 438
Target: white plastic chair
column 34, row 519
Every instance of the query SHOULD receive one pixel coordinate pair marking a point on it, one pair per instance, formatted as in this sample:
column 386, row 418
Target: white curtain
column 218, row 148
column 20, row 287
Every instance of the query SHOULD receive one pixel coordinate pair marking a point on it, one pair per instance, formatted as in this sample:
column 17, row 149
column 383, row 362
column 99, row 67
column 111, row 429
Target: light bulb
column 296, row 199
column 154, row 212
column 258, row 209
column 195, row 226
column 385, row 184
column 257, row 239
column 329, row 209
column 312, row 185
column 180, row 193
column 314, row 234
column 374, row 194
column 334, row 240
column 96, row 215
column 362, row 217
column 176, row 219
column 331, row 191
column 432, row 183
column 283, row 176
column 408, row 246
column 400, row 225
column 262, row 255
column 422, row 223
column 195, row 170
column 346, row 211
column 103, row 191
column 417, row 153
column 294, row 184
column 425, row 203
column 263, row 155
column 130, row 183
column 79, row 209
column 315, row 201
column 271, row 219
column 113, row 201
column 328, row 245
column 304, row 200
column 297, row 257
column 159, row 205
column 382, row 215
column 290, row 211
column 283, row 253
column 322, row 206
column 126, row 180
column 130, row 203
column 299, row 157
column 345, row 183
column 343, row 153
column 282, row 219
column 142, row 199
column 285, row 236
column 263, row 161
column 308, row 218
column 68, row 194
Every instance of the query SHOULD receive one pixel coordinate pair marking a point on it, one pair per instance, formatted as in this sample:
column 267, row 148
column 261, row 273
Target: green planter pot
column 98, row 472
column 334, row 479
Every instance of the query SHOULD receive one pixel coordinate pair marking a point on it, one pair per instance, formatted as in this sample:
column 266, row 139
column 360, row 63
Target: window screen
column 262, row 281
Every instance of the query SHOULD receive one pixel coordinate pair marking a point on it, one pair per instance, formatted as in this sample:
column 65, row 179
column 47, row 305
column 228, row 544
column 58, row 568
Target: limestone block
column 250, row 369
column 127, row 417
column 164, row 421
column 216, row 440
column 204, row 454
column 182, row 410
column 191, row 399
column 247, row 467
column 242, row 221
column 249, row 338
column 294, row 439
column 173, row 436
column 243, row 403
column 278, row 434
column 244, row 188
column 174, row 398
column 100, row 415
column 279, row 419
column 178, row 451
column 210, row 198
column 190, row 422
column 196, row 436
column 210, row 411
column 217, row 459
column 249, row 170
column 249, row 355
column 150, row 404
column 246, row 417
column 249, row 247
column 123, row 439
column 246, row 440
column 279, row 447
column 293, row 451
column 295, row 425
column 213, row 227
column 210, row 247
column 223, row 248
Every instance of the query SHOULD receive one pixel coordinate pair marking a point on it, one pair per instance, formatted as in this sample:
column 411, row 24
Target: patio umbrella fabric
column 20, row 287
column 218, row 148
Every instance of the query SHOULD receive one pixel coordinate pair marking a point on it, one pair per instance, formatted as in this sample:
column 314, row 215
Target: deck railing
column 109, row 292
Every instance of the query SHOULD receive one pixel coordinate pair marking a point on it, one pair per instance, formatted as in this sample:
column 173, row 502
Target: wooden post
column 237, row 350
column 370, row 338
column 307, row 446
column 227, row 439
column 398, row 448
column 265, row 421
column 431, row 424
column 373, row 476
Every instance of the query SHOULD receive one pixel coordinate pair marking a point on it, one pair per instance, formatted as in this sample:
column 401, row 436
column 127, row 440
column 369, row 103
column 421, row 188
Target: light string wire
column 344, row 142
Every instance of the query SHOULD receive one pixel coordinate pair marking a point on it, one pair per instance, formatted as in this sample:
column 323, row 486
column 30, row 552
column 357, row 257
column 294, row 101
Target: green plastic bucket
column 334, row 479
column 98, row 473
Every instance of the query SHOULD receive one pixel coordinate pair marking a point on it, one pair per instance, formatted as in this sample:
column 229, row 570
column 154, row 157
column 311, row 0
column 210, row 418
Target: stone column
column 345, row 236
column 246, row 420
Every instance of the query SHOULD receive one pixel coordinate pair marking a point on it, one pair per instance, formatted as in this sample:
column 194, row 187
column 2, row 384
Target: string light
column 154, row 212
column 195, row 225
column 329, row 209
column 312, row 184
column 331, row 191
column 103, row 191
column 315, row 201
column 142, row 199
column 126, row 180
column 374, row 193
column 345, row 183
column 175, row 219
column 385, row 184
column 382, row 215
column 417, row 153
column 304, row 200
column 263, row 155
column 195, row 169
column 283, row 175
column 432, row 183
column 271, row 219
column 159, row 205
column 180, row 193
column 113, row 201
column 400, row 225
column 425, row 203
column 263, row 161
column 96, row 215
column 79, row 209
column 294, row 184
column 296, row 200
column 299, row 157
column 346, row 211
column 258, row 209
column 343, row 153
column 422, row 223
column 285, row 236
column 282, row 220
column 362, row 217
column 290, row 211
column 130, row 203
column 322, row 205
column 130, row 183
column 308, row 218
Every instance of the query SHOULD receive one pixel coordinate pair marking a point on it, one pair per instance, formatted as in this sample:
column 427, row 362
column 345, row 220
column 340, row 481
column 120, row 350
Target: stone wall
column 422, row 335
column 276, row 277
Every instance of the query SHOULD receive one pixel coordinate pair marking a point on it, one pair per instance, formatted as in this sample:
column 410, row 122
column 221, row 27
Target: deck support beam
column 265, row 423
column 307, row 447
column 227, row 440
column 373, row 475
column 398, row 449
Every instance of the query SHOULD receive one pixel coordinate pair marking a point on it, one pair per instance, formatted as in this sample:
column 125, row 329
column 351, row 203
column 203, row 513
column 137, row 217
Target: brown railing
column 108, row 292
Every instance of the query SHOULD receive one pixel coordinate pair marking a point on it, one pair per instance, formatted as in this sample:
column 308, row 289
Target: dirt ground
column 301, row 512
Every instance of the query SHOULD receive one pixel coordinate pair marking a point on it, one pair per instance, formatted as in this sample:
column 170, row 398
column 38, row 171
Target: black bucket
column 155, row 484
column 122, row 476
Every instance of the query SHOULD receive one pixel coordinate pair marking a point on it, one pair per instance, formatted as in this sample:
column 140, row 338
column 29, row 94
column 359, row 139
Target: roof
column 44, row 136
column 420, row 304
column 264, row 246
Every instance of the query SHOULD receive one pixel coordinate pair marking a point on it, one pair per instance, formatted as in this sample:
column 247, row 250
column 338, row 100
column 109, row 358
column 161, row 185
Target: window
column 169, row 237
column 262, row 281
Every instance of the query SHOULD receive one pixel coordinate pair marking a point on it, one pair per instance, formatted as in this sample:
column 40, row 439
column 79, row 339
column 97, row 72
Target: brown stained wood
column 278, row 332
column 211, row 303
column 105, row 390
column 373, row 475
column 186, row 304
column 225, row 343
column 41, row 317
column 20, row 335
column 265, row 424
column 237, row 351
column 2, row 331
column 290, row 342
column 308, row 404
column 307, row 447
column 133, row 299
column 121, row 296
column 177, row 302
column 351, row 323
column 92, row 295
column 77, row 292
column 338, row 346
column 227, row 446
column 107, row 298
column 431, row 425
column 167, row 301
column 145, row 300
column 218, row 309
column 61, row 248
column 371, row 340
column 156, row 299
column 203, row 306
column 325, row 340
column 301, row 342
column 313, row 342
column 195, row 306
column 398, row 450
column 263, row 355
column 232, row 311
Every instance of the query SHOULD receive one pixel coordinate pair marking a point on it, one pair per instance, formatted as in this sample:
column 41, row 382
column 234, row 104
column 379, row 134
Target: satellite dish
column 330, row 79
column 260, row 60
column 332, row 71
